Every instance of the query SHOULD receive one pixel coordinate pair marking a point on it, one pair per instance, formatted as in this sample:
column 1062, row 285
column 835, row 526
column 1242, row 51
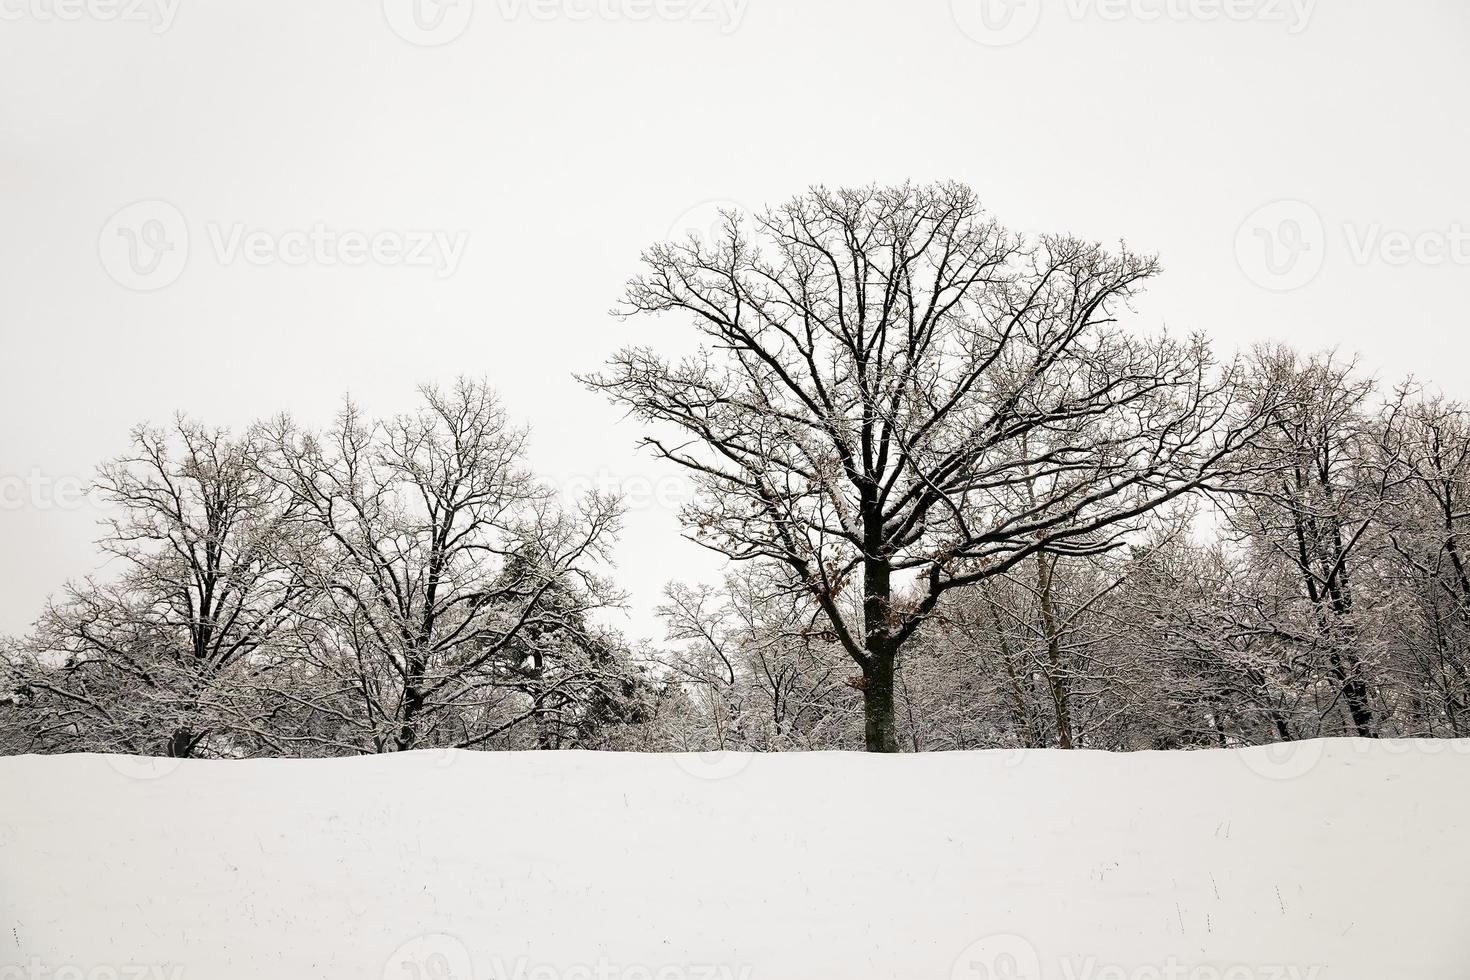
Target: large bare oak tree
column 896, row 397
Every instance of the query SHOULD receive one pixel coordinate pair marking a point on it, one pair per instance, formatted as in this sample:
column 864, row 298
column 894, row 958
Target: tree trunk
column 545, row 740
column 181, row 744
column 1057, row 680
column 878, row 711
column 413, row 703
column 1349, row 674
column 880, row 648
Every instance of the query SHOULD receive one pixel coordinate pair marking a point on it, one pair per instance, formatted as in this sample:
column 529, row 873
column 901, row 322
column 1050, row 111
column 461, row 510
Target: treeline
column 964, row 508
column 385, row 585
column 1324, row 594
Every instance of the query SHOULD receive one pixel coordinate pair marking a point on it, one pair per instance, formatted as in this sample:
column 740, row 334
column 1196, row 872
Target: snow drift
column 1333, row 860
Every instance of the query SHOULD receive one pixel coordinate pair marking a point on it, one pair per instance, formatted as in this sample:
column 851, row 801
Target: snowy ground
column 1340, row 860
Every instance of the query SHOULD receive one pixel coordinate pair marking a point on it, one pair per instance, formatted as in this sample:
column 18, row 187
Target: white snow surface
column 1325, row 860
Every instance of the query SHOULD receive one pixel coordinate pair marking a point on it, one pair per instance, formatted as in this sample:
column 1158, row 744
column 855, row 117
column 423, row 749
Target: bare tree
column 1427, row 454
column 438, row 561
column 1318, row 503
column 137, row 662
column 764, row 675
column 896, row 388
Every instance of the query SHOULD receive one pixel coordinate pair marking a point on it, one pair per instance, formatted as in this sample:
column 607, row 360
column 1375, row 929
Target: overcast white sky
column 545, row 143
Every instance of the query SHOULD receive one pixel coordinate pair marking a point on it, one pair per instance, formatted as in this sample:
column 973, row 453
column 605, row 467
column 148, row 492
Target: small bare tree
column 897, row 390
column 751, row 660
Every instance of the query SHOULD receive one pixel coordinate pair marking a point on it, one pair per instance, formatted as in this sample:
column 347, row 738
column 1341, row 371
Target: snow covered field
column 1341, row 860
